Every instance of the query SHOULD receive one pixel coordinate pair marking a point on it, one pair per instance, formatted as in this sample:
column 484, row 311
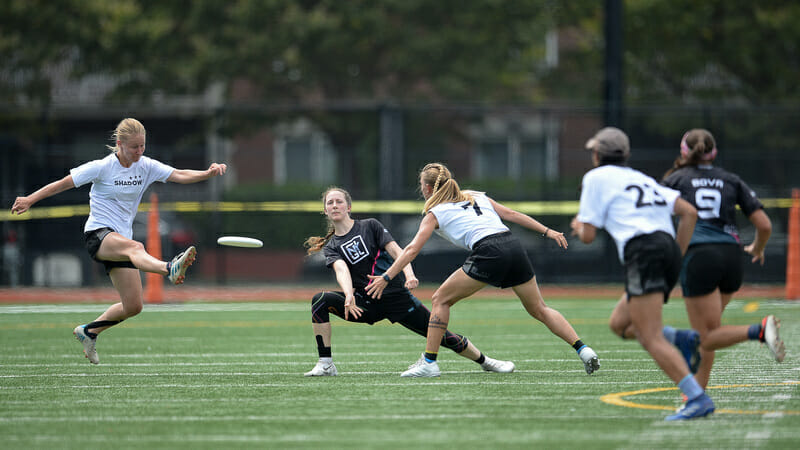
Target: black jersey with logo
column 715, row 193
column 362, row 249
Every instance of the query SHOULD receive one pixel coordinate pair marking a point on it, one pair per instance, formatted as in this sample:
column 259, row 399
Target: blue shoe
column 688, row 342
column 699, row 407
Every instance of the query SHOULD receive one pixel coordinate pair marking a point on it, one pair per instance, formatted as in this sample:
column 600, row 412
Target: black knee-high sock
column 324, row 352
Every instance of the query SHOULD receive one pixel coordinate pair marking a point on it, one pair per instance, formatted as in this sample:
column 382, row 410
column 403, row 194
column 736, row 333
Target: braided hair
column 445, row 187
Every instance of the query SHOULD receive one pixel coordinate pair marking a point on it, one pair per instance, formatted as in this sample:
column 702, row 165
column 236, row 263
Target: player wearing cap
column 637, row 212
column 712, row 268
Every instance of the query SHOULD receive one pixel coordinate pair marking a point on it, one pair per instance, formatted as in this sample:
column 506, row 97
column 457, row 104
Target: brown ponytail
column 697, row 147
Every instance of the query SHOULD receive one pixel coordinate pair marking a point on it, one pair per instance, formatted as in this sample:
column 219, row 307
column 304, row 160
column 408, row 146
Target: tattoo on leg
column 436, row 322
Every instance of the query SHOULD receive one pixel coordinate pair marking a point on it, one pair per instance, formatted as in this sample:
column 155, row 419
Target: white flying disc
column 239, row 241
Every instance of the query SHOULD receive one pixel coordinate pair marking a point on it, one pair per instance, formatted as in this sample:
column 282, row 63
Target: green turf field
column 229, row 375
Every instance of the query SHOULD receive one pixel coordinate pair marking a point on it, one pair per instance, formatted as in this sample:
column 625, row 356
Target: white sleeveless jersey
column 464, row 224
column 116, row 190
column 627, row 203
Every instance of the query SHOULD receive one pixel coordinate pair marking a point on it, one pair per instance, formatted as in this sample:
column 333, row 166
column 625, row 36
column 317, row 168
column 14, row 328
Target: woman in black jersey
column 356, row 249
column 712, row 267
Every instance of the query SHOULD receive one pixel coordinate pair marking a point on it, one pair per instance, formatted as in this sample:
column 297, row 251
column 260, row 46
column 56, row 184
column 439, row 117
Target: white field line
column 499, row 305
column 269, row 374
column 174, row 307
column 315, row 382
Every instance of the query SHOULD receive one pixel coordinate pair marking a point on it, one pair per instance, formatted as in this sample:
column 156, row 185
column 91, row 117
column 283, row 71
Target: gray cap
column 610, row 141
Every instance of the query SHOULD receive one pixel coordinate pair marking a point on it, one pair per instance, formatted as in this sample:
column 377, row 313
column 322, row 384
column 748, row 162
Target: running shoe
column 88, row 343
column 495, row 365
column 590, row 361
column 322, row 370
column 180, row 263
column 422, row 368
column 699, row 407
column 769, row 336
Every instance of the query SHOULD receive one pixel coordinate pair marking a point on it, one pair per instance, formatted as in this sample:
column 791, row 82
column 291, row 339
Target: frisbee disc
column 239, row 241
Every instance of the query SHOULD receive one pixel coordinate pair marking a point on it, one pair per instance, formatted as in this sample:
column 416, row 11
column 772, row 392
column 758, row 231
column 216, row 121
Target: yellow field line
column 618, row 400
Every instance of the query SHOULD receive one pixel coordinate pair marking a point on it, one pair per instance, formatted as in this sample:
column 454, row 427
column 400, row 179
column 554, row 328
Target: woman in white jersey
column 118, row 183
column 637, row 212
column 473, row 221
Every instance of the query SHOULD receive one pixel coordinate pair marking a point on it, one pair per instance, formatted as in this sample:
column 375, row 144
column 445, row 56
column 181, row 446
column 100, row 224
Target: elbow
column 765, row 227
column 690, row 215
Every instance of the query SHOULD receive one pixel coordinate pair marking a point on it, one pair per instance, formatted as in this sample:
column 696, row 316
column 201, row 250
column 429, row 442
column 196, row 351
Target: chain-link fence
column 527, row 156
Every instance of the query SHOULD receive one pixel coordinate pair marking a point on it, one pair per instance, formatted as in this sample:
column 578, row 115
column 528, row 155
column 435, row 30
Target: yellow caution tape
column 559, row 208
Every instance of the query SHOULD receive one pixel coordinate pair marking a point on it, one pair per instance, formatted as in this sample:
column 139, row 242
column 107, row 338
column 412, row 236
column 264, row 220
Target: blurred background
column 298, row 95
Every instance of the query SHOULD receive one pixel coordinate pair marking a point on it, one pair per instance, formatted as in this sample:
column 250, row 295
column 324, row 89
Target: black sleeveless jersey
column 362, row 248
column 715, row 193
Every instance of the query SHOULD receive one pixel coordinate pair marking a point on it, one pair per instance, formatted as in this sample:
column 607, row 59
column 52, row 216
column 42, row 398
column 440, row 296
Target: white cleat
column 180, row 263
column 88, row 344
column 497, row 366
column 769, row 328
column 422, row 368
column 590, row 361
column 322, row 370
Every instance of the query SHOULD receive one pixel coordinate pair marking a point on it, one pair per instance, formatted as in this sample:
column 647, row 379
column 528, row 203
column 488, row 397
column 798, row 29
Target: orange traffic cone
column 154, row 293
column 793, row 250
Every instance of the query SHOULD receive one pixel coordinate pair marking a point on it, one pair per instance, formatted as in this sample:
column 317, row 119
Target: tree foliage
column 407, row 50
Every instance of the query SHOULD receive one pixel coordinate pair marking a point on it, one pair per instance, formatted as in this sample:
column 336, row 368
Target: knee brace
column 454, row 342
column 319, row 309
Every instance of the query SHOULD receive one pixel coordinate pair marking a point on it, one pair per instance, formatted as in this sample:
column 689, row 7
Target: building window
column 515, row 150
column 303, row 154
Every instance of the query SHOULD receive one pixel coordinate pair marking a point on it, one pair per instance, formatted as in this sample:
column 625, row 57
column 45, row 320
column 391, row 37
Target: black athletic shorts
column 398, row 307
column 499, row 260
column 652, row 264
column 707, row 267
column 395, row 307
column 93, row 239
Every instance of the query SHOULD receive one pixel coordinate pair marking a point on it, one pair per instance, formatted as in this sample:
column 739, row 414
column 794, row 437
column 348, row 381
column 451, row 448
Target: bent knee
column 438, row 299
column 132, row 247
column 131, row 310
column 618, row 328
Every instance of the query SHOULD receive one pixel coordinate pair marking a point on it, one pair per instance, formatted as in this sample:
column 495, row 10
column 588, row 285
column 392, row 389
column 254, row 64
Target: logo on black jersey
column 355, row 250
column 135, row 180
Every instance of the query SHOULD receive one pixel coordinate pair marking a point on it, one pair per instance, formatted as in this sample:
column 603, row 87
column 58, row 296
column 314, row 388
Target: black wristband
column 547, row 230
column 386, row 277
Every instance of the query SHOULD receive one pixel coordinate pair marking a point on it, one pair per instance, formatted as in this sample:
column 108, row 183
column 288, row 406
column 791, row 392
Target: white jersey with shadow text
column 116, row 190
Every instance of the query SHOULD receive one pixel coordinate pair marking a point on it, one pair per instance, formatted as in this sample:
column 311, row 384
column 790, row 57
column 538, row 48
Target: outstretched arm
column 426, row 227
column 395, row 251
column 188, row 176
column 763, row 231
column 22, row 204
column 510, row 215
